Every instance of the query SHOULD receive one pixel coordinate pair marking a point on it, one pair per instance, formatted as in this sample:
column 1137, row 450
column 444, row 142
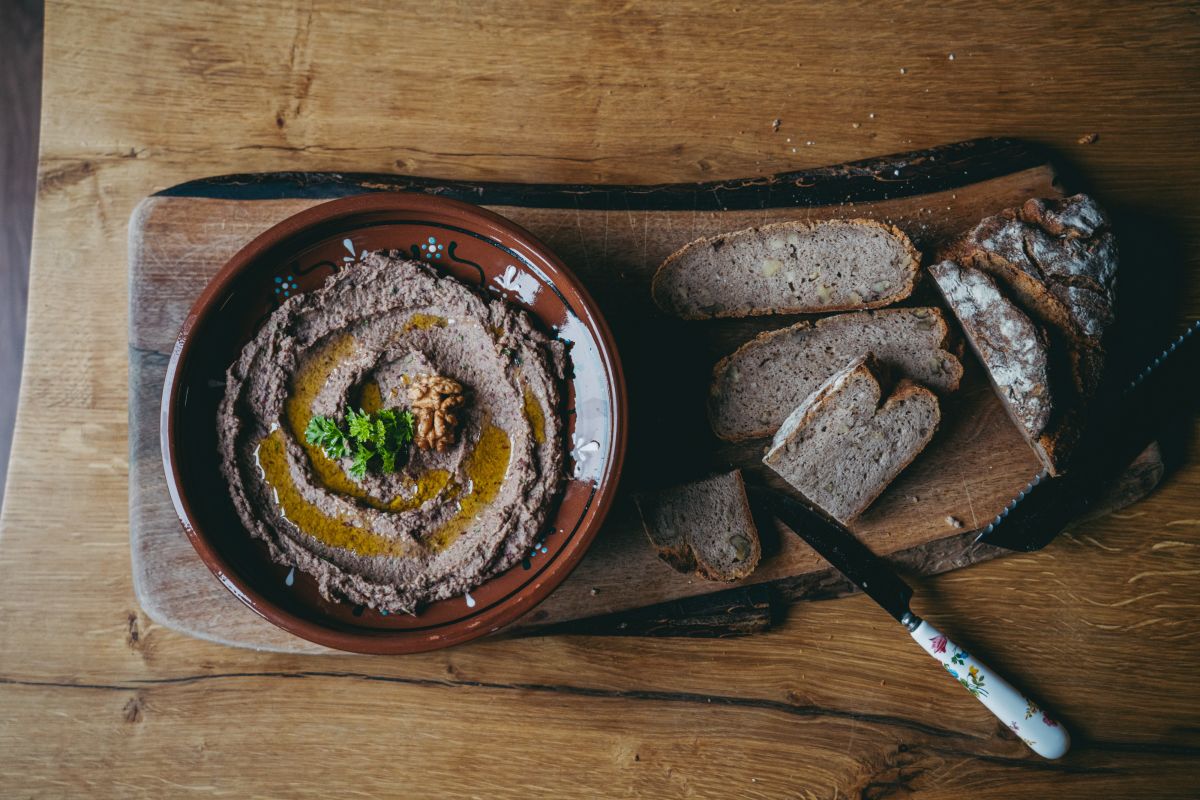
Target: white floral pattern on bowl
column 521, row 284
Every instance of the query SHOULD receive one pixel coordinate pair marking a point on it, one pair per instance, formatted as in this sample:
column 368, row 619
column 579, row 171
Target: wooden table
column 96, row 701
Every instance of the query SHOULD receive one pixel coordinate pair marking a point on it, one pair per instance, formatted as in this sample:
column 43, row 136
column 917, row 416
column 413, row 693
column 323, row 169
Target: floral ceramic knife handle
column 875, row 577
column 1044, row 735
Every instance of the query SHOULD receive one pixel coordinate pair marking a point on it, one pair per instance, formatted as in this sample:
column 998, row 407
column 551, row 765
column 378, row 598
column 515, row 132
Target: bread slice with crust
column 1013, row 350
column 788, row 268
column 753, row 389
column 841, row 447
column 703, row 527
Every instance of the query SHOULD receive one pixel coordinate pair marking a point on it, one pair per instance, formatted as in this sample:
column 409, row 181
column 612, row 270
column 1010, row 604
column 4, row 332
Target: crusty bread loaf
column 1012, row 348
column 1057, row 261
column 1057, row 257
column 754, row 388
column 788, row 268
column 704, row 527
column 840, row 448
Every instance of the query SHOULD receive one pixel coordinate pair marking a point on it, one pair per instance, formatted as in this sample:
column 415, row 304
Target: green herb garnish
column 325, row 433
column 377, row 440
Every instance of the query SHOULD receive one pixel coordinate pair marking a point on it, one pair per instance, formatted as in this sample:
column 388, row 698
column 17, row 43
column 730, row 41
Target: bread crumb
column 954, row 522
column 595, row 591
column 809, row 143
column 915, row 499
column 1089, row 138
column 775, row 123
column 903, row 71
column 871, row 115
column 950, row 57
column 855, row 125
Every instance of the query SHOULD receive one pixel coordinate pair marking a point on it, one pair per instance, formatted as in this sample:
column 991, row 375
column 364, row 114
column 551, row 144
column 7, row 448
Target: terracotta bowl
column 485, row 251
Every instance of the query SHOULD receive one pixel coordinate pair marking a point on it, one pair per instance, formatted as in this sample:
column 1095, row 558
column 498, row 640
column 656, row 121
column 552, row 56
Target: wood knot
column 133, row 709
column 133, row 636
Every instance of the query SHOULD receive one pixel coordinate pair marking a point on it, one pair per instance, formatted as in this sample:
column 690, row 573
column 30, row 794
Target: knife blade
column 833, row 542
column 841, row 549
column 1122, row 429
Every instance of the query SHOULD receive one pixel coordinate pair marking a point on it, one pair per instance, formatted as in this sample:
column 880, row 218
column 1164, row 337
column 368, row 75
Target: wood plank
column 178, row 241
column 1101, row 625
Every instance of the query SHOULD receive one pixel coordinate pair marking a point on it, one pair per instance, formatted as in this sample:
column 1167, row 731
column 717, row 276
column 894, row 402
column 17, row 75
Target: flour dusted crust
column 1057, row 256
column 1010, row 345
column 1056, row 261
column 1013, row 349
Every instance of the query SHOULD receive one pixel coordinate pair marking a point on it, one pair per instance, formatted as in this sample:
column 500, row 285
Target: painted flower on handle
column 1044, row 735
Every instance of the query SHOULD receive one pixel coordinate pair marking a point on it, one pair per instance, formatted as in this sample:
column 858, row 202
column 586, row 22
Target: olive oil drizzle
column 535, row 415
column 344, row 532
column 486, row 467
column 370, row 399
column 423, row 322
column 310, row 377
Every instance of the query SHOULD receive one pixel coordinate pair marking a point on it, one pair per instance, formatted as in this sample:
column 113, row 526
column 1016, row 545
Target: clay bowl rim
column 398, row 641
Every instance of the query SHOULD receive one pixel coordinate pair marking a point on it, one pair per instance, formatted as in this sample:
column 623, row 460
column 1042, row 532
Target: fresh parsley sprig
column 378, row 439
column 325, row 433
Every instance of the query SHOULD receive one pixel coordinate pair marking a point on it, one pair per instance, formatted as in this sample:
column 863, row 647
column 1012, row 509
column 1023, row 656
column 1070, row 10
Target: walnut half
column 434, row 399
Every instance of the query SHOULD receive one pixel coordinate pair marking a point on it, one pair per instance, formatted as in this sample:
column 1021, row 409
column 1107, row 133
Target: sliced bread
column 840, row 448
column 753, row 389
column 704, row 527
column 1012, row 348
column 788, row 268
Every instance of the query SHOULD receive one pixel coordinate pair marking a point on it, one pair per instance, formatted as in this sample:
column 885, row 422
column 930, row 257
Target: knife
column 1040, row 731
column 1122, row 429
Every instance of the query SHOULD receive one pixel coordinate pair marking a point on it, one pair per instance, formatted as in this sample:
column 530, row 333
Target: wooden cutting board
column 613, row 238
